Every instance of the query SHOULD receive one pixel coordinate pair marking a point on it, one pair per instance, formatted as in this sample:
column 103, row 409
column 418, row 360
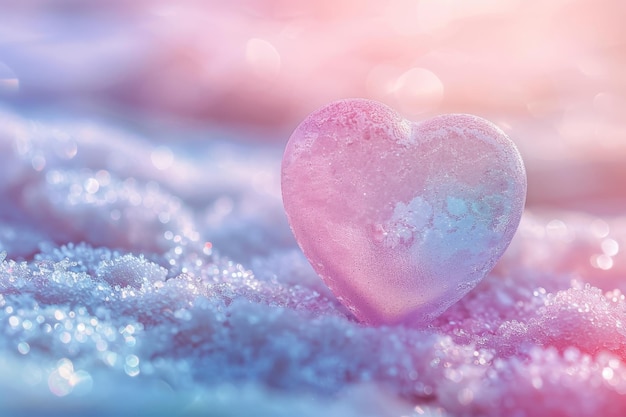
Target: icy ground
column 139, row 278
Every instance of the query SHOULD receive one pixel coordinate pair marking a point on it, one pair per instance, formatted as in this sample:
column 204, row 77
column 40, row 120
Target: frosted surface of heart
column 401, row 219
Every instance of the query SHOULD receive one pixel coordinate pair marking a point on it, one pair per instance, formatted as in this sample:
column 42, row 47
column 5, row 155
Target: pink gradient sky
column 549, row 73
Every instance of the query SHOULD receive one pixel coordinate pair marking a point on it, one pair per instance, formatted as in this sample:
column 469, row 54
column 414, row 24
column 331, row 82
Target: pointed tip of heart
column 401, row 219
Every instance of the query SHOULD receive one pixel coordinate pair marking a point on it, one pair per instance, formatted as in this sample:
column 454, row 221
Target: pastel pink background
column 549, row 73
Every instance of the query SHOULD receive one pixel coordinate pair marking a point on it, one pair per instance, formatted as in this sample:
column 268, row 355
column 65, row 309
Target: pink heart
column 401, row 219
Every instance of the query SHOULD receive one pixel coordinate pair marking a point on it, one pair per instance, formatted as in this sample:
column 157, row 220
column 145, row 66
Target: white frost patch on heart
column 454, row 230
column 405, row 221
column 403, row 133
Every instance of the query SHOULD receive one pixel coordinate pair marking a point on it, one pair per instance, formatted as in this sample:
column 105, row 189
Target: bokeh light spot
column 417, row 91
column 162, row 158
column 263, row 58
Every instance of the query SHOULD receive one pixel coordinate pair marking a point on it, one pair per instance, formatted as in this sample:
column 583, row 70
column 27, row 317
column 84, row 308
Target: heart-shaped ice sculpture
column 401, row 219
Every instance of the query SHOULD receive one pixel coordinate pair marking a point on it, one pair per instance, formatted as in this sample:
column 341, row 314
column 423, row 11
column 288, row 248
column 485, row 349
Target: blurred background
column 552, row 74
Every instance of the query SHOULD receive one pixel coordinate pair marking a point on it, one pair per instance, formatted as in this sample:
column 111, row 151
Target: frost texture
column 128, row 290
